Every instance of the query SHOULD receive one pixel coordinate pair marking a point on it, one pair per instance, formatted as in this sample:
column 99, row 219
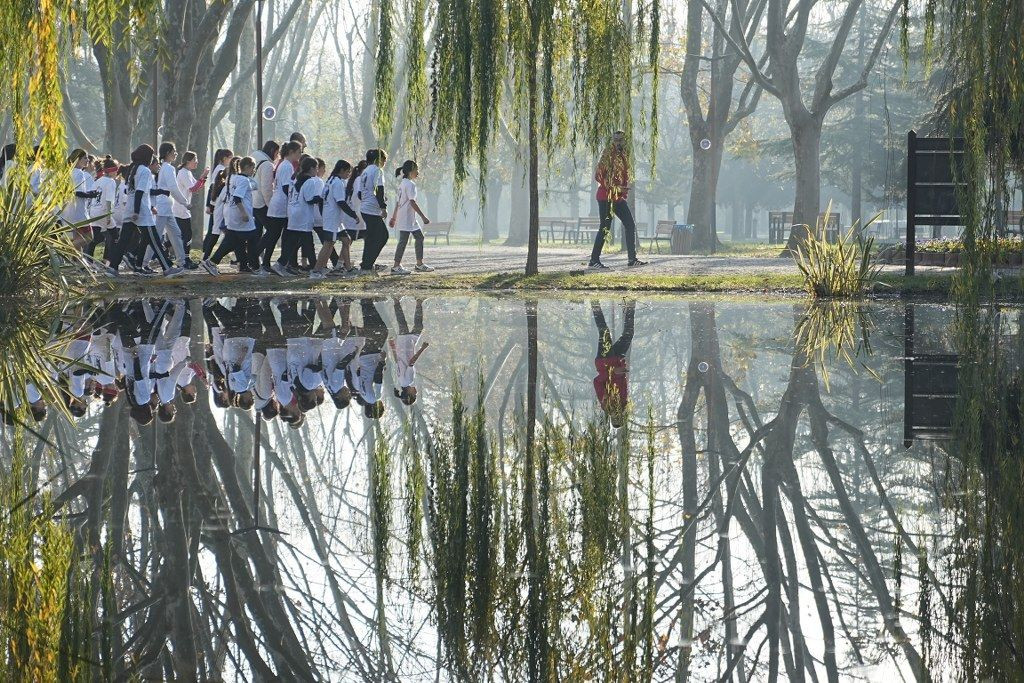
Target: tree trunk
column 490, row 227
column 806, row 133
column 245, row 98
column 706, row 165
column 534, row 231
column 519, row 211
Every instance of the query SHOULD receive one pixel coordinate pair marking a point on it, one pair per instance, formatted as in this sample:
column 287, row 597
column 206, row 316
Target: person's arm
column 379, row 194
column 415, row 356
column 139, row 194
column 171, row 182
column 416, row 208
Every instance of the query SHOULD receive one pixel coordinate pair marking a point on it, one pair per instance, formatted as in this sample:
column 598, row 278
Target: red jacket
column 614, row 177
column 611, row 381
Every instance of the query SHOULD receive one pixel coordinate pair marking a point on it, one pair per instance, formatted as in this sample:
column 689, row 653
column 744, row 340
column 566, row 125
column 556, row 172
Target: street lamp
column 259, row 73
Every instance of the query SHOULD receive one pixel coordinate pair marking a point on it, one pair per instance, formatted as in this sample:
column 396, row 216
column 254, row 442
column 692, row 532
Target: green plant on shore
column 840, row 269
column 36, row 254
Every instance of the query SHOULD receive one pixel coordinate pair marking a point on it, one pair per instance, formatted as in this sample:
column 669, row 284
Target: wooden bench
column 781, row 222
column 585, row 230
column 663, row 231
column 439, row 229
column 548, row 224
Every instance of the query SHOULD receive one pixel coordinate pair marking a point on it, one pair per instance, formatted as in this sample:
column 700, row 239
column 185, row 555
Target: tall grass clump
column 37, row 256
column 843, row 269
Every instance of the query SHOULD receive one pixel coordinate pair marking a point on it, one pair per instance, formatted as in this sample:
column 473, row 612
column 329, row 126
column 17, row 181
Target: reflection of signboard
column 932, row 186
column 930, row 389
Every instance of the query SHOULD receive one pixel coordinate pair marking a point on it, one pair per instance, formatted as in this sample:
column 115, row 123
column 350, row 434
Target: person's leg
column 149, row 235
column 97, row 238
column 326, row 251
column 116, row 252
column 173, row 233
column 621, row 346
column 403, row 239
column 418, row 236
column 371, row 238
column 274, row 227
column 625, row 217
column 227, row 245
column 308, row 250
column 604, row 341
column 403, row 324
column 185, row 228
column 209, row 241
column 109, row 241
column 417, row 320
column 606, row 222
column 290, row 242
column 346, row 249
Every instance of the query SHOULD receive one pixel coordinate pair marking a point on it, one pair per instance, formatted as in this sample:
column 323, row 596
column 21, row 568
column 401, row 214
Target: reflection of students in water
column 339, row 351
column 611, row 383
column 366, row 374
column 404, row 351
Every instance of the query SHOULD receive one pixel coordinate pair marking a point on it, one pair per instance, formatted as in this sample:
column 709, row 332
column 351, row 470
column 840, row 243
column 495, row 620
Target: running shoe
column 190, row 264
column 316, row 275
column 210, row 267
column 597, row 265
column 279, row 269
column 636, row 263
column 173, row 272
column 399, row 270
column 424, row 268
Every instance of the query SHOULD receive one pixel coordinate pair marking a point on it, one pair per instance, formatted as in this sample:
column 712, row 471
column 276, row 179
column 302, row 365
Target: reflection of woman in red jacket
column 611, row 383
column 612, row 178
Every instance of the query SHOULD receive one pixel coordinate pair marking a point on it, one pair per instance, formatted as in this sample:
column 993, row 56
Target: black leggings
column 238, row 242
column 403, row 239
column 125, row 245
column 273, row 227
column 185, row 226
column 149, row 239
column 291, row 242
column 623, row 213
column 417, row 320
column 374, row 239
column 98, row 238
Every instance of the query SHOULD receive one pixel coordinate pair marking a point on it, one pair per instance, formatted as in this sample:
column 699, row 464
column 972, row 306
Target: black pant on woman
column 185, row 226
column 605, row 346
column 623, row 213
column 238, row 242
column 374, row 239
column 403, row 239
column 127, row 242
column 273, row 227
column 149, row 239
column 291, row 242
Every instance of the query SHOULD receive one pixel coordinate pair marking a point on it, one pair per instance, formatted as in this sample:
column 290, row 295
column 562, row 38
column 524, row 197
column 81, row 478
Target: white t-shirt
column 143, row 184
column 406, row 218
column 337, row 355
column 242, row 187
column 77, row 210
column 238, row 362
column 405, row 349
column 120, row 203
column 278, row 207
column 278, row 359
column 364, row 384
column 104, row 204
column 304, row 360
column 166, row 180
column 301, row 212
column 366, row 185
column 218, row 208
column 186, row 181
column 335, row 191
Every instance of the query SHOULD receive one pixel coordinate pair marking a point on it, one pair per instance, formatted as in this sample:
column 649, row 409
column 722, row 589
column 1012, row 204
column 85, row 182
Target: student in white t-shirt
column 188, row 186
column 76, row 211
column 239, row 218
column 406, row 350
column 335, row 227
column 405, row 218
column 167, row 194
column 102, row 208
column 303, row 197
column 369, row 188
column 220, row 159
column 277, row 209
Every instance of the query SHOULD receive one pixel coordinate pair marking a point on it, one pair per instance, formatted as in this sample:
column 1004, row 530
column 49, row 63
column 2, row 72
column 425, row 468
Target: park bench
column 662, row 231
column 550, row 224
column 781, row 222
column 585, row 230
column 439, row 229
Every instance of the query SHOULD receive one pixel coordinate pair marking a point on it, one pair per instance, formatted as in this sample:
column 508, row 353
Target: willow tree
column 573, row 66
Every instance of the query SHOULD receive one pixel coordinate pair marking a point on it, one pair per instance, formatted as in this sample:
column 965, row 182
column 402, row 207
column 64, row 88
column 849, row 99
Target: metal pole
column 259, row 73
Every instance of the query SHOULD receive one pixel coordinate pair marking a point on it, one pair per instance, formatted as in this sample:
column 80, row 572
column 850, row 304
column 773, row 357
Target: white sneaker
column 424, row 268
column 210, row 267
column 399, row 270
column 279, row 269
column 598, row 266
column 173, row 272
column 316, row 275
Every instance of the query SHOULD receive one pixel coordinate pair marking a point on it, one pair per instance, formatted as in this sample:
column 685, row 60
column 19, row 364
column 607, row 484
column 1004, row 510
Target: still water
column 473, row 488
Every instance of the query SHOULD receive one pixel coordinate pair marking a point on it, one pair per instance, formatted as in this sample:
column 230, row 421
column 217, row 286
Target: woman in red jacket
column 612, row 178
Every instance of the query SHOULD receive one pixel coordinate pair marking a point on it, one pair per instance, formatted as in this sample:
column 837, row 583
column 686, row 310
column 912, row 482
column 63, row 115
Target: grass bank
column 790, row 284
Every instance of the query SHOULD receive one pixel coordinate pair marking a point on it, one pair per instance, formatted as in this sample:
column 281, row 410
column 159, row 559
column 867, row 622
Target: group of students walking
column 265, row 209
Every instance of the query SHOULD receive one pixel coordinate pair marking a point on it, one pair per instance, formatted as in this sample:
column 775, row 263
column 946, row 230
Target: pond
column 490, row 488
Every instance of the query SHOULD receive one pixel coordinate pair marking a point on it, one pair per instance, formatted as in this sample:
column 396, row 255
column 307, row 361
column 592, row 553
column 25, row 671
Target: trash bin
column 682, row 238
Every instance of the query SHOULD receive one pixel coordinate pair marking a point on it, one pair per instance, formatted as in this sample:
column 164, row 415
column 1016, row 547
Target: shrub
column 840, row 269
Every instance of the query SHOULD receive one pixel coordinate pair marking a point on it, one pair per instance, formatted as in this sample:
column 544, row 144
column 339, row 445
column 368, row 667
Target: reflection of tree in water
column 516, row 541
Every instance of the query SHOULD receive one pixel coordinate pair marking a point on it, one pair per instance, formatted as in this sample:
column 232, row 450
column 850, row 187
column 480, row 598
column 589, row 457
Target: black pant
column 417, row 320
column 623, row 213
column 185, row 226
column 273, row 227
column 291, row 242
column 97, row 239
column 403, row 239
column 126, row 244
column 374, row 239
column 605, row 347
column 238, row 242
column 259, row 216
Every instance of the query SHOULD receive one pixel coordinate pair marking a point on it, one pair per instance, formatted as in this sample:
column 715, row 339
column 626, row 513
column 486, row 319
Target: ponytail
column 356, row 172
column 187, row 158
column 406, row 168
column 307, row 169
column 340, row 167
